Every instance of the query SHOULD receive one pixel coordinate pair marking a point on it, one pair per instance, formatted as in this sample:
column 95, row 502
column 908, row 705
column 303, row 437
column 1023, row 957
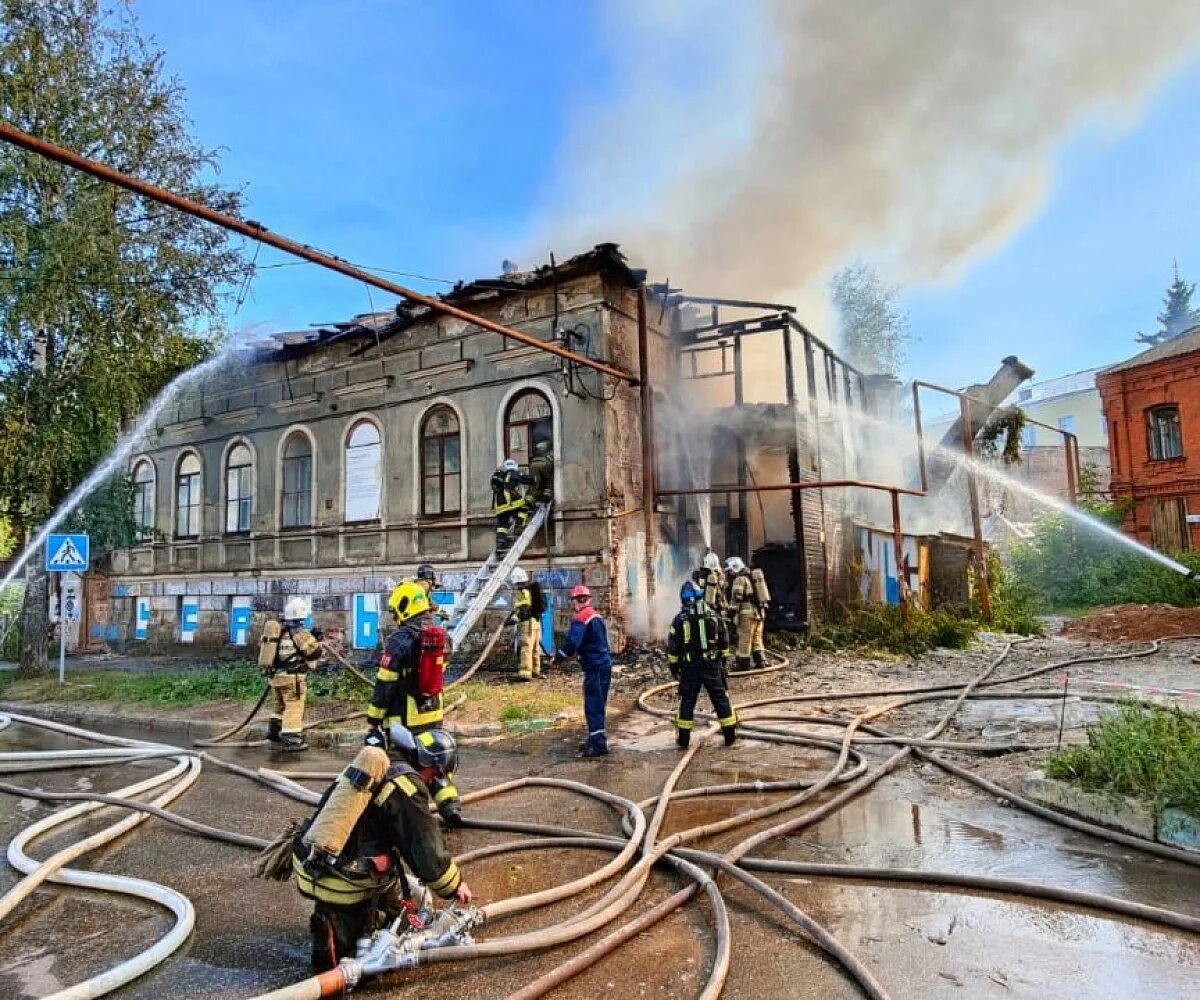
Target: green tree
column 102, row 294
column 1177, row 316
column 874, row 329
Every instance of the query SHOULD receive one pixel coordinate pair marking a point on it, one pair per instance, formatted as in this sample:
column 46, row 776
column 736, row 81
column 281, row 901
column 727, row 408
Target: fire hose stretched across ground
column 637, row 850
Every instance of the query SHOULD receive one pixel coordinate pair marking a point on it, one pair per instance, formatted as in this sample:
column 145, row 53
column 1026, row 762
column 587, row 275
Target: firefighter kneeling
column 697, row 648
column 408, row 686
column 375, row 818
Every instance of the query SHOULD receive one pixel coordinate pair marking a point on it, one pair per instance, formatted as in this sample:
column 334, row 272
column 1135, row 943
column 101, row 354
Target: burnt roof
column 1185, row 343
column 604, row 258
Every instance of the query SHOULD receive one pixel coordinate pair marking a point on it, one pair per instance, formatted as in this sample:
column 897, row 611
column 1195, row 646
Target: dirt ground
column 1134, row 621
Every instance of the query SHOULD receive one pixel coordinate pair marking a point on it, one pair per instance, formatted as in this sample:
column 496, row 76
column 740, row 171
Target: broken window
column 296, row 479
column 529, row 420
column 1166, row 440
column 189, row 497
column 363, row 473
column 441, row 463
column 238, row 490
column 143, row 499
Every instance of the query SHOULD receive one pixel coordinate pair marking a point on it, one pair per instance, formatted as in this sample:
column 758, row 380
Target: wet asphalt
column 251, row 936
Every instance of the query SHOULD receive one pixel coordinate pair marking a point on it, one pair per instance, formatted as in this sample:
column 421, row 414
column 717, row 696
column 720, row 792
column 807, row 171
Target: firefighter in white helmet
column 529, row 604
column 748, row 598
column 287, row 652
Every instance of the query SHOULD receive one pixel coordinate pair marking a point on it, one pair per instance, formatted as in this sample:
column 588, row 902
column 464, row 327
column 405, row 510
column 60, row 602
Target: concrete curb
column 1173, row 827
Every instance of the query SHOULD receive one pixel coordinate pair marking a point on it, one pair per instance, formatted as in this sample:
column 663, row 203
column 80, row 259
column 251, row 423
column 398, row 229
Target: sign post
column 66, row 554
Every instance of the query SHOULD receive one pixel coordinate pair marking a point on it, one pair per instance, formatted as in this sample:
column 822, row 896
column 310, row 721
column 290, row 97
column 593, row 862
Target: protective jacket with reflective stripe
column 395, row 695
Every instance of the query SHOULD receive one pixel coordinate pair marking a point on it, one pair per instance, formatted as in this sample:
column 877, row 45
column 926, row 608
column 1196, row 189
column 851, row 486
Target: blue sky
column 425, row 138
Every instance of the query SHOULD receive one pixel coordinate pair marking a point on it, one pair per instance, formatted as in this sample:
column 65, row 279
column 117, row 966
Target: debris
column 951, row 977
column 999, row 978
column 1126, row 622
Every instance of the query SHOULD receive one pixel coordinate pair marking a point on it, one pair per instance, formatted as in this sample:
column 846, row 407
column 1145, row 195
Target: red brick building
column 1152, row 405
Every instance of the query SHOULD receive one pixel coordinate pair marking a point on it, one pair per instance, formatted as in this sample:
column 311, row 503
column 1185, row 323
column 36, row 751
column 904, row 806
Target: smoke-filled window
column 1166, row 439
column 239, row 490
column 189, row 496
column 143, row 499
column 363, row 473
column 529, row 420
column 441, row 463
column 295, row 499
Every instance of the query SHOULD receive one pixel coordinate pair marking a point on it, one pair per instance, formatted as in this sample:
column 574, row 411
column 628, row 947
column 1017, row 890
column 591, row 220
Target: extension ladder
column 489, row 578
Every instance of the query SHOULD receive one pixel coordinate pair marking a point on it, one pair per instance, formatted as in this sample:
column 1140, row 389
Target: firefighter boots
column 273, row 729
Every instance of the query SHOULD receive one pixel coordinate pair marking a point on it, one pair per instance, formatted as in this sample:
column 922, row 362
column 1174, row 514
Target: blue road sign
column 66, row 553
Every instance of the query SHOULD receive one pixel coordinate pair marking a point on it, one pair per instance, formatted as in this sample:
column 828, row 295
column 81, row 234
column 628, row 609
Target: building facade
column 1152, row 406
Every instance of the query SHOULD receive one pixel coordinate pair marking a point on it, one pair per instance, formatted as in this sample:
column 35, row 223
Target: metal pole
column 649, row 484
column 898, row 547
column 255, row 231
column 794, row 476
column 985, row 594
column 739, row 451
column 1071, row 448
column 62, row 630
column 920, row 437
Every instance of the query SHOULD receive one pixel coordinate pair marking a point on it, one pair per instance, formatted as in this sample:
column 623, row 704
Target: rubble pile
column 1134, row 621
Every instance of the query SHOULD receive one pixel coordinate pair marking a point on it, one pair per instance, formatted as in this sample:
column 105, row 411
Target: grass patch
column 1145, row 751
column 882, row 629
column 511, row 704
column 239, row 682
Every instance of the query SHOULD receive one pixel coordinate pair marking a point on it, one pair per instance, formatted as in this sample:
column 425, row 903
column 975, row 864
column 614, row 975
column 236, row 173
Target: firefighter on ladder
column 408, row 686
column 508, row 503
column 697, row 654
column 748, row 598
column 529, row 604
column 286, row 654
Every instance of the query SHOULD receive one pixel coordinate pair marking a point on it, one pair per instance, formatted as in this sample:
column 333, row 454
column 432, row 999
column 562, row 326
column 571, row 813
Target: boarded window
column 1168, row 524
column 143, row 499
column 441, row 463
column 1166, row 439
column 363, row 473
column 296, row 479
column 529, row 420
column 239, row 487
column 189, row 498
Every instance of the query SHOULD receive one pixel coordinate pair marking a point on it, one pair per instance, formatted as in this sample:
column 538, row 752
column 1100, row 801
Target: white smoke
column 753, row 147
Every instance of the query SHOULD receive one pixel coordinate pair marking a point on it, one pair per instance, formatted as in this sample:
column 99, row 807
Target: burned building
column 334, row 460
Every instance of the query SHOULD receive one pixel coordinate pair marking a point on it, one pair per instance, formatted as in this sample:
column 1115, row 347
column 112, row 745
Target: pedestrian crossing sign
column 66, row 553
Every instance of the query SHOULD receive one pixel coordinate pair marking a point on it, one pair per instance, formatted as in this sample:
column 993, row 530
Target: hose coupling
column 352, row 972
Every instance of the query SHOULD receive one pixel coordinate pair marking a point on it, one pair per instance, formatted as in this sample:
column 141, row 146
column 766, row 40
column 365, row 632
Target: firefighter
column 408, row 686
column 709, row 579
column 364, row 885
column 427, row 579
column 541, row 474
column 748, row 599
column 587, row 638
column 287, row 652
column 697, row 655
column 508, row 503
column 529, row 604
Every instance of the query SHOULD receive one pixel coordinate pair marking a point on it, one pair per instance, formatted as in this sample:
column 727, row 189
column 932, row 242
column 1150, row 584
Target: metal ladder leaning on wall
column 489, row 578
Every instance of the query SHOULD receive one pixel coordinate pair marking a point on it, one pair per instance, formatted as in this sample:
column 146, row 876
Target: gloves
column 452, row 814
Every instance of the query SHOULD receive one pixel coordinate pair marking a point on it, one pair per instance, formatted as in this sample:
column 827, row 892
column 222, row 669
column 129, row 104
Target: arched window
column 296, row 495
column 529, row 420
column 364, row 473
column 239, row 489
column 143, row 499
column 189, row 497
column 441, row 464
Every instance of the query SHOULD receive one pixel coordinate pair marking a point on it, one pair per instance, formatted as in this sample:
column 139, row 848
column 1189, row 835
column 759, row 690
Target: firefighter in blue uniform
column 587, row 638
column 408, row 686
column 697, row 655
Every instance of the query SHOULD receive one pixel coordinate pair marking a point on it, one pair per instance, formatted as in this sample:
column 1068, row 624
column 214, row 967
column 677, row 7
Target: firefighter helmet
column 580, row 591
column 689, row 594
column 408, row 600
column 711, row 560
column 436, row 748
column 542, row 447
column 297, row 609
column 518, row 576
column 426, row 572
column 510, row 465
column 734, row 565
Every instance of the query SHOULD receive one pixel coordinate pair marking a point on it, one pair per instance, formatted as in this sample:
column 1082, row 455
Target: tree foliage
column 1177, row 316
column 106, row 517
column 873, row 328
column 103, row 295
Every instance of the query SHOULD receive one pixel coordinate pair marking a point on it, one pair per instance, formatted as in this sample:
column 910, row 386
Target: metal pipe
column 920, row 438
column 260, row 233
column 985, row 594
column 898, row 545
column 819, row 484
column 1071, row 446
column 736, row 303
column 739, row 456
column 797, row 500
column 649, row 476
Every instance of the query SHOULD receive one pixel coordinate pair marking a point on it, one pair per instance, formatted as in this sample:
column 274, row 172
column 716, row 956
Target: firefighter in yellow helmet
column 287, row 652
column 408, row 686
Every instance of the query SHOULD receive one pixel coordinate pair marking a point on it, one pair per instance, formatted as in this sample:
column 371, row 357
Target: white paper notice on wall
column 363, row 481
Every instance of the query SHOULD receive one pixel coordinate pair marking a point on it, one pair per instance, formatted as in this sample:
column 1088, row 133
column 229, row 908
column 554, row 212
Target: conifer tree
column 1177, row 316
